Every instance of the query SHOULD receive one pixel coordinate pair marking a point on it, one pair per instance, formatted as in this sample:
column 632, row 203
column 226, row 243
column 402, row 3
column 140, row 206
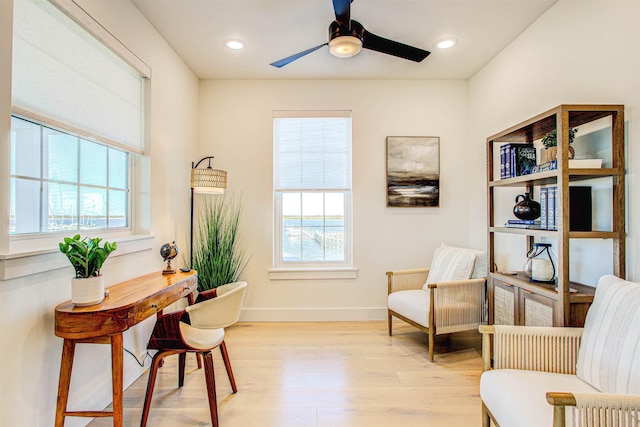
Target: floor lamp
column 207, row 181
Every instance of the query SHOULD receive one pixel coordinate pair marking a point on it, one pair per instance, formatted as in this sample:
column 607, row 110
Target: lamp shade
column 208, row 180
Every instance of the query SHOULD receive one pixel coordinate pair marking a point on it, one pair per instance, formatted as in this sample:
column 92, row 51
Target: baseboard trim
column 312, row 314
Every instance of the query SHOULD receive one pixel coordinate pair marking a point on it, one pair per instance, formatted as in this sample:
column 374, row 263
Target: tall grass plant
column 217, row 254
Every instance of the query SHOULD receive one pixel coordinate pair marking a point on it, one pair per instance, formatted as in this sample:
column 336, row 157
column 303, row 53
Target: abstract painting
column 413, row 171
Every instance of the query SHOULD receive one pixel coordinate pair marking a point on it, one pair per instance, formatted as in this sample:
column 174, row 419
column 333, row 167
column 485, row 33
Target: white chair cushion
column 517, row 398
column 480, row 267
column 609, row 357
column 450, row 264
column 412, row 304
column 201, row 339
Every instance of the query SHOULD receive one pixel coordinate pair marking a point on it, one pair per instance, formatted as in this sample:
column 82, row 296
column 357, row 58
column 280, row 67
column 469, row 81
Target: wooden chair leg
column 182, row 358
column 211, row 387
column 199, row 360
column 389, row 321
column 227, row 365
column 431, row 345
column 153, row 371
column 486, row 420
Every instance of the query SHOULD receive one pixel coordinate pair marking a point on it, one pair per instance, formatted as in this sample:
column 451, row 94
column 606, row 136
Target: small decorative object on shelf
column 526, row 208
column 169, row 251
column 539, row 266
column 550, row 142
column 86, row 256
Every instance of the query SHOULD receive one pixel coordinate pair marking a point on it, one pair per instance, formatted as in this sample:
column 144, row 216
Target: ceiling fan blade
column 390, row 47
column 281, row 63
column 342, row 8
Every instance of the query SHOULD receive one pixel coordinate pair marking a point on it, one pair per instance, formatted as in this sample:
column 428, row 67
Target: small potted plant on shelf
column 550, row 142
column 86, row 256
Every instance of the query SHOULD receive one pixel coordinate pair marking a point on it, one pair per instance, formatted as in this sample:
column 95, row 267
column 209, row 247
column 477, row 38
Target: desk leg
column 68, row 351
column 117, row 350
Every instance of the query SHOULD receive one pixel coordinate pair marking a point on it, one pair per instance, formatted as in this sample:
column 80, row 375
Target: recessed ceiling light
column 235, row 44
column 446, row 43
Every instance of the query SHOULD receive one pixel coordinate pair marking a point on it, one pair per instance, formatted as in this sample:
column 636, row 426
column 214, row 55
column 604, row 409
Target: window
column 60, row 182
column 78, row 104
column 312, row 183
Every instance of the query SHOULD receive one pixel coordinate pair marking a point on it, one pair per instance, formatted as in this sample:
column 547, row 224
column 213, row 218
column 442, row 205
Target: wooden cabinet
column 513, row 298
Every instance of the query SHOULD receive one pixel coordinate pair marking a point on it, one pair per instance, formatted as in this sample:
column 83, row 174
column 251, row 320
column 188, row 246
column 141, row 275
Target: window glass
column 93, row 163
column 72, row 192
column 60, row 156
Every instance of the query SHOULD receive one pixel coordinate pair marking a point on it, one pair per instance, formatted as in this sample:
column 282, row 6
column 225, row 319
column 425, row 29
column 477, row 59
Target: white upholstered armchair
column 543, row 376
column 446, row 298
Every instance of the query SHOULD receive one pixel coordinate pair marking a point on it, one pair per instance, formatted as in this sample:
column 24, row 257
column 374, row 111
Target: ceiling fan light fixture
column 345, row 46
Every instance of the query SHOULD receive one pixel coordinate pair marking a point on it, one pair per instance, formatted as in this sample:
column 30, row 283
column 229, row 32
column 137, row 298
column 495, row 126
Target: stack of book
column 524, row 223
column 516, row 160
column 573, row 163
column 543, row 167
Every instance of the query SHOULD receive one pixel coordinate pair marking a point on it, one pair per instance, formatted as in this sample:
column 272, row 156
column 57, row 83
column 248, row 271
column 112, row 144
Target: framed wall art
column 413, row 171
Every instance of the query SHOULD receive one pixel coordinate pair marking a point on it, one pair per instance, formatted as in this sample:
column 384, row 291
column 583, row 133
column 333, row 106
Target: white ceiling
column 274, row 29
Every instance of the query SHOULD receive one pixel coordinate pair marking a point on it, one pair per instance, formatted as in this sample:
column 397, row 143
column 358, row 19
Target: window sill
column 313, row 273
column 24, row 262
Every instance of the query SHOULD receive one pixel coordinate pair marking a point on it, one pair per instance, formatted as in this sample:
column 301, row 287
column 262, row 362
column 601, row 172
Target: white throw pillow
column 450, row 264
column 480, row 268
column 610, row 347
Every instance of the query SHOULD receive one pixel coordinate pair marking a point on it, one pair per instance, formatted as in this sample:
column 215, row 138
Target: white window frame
column 283, row 270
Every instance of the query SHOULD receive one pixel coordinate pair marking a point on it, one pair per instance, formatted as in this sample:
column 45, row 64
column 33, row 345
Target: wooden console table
column 127, row 304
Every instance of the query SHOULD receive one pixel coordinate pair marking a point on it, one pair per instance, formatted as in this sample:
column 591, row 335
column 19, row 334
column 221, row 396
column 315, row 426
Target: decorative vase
column 552, row 153
column 526, row 208
column 87, row 291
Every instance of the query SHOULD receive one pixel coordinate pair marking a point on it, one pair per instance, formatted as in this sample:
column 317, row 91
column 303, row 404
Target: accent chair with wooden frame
column 427, row 299
column 586, row 377
column 198, row 329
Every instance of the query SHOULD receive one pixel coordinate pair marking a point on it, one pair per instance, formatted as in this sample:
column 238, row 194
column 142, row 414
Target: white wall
column 236, row 126
column 30, row 352
column 577, row 52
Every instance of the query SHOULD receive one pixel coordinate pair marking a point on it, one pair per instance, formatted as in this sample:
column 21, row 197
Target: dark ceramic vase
column 526, row 208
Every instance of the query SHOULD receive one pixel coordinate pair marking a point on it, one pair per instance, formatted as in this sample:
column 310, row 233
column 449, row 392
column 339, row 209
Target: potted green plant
column 86, row 256
column 217, row 253
column 550, row 142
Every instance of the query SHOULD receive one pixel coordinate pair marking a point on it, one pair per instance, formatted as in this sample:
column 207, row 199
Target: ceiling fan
column 347, row 38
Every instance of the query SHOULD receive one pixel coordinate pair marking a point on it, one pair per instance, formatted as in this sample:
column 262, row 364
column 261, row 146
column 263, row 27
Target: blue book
column 523, row 221
column 551, row 208
column 543, row 208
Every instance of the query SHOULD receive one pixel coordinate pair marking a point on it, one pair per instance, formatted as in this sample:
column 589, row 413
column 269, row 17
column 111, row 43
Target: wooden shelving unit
column 513, row 298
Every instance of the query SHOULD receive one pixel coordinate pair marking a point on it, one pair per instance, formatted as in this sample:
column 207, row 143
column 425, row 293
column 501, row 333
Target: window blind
column 312, row 150
column 64, row 75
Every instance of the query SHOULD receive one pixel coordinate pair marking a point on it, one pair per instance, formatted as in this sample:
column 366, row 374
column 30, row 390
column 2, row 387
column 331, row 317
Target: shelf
column 525, row 231
column 554, row 234
column 585, row 293
column 563, row 308
column 540, row 125
column 551, row 177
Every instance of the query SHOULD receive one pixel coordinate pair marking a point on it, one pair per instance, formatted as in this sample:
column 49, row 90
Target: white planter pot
column 88, row 291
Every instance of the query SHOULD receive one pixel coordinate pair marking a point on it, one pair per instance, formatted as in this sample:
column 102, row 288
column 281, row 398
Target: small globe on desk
column 168, row 251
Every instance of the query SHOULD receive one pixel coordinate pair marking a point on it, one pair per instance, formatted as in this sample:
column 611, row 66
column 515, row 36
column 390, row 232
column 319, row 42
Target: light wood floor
column 337, row 374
